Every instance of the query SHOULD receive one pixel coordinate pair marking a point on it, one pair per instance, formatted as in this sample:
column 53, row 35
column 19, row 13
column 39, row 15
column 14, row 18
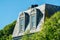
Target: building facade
column 32, row 19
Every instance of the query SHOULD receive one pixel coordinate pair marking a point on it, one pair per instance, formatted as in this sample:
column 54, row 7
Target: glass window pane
column 22, row 24
column 33, row 20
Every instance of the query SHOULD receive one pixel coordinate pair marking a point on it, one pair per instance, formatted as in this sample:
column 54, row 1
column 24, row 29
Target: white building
column 32, row 19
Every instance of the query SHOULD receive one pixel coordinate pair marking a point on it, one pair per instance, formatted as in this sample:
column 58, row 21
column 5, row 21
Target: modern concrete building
column 32, row 19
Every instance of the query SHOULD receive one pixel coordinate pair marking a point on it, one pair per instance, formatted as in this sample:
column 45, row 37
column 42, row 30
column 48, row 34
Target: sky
column 9, row 9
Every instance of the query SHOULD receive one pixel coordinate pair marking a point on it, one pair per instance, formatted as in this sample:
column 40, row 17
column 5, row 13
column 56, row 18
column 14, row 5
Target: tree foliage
column 50, row 30
column 6, row 32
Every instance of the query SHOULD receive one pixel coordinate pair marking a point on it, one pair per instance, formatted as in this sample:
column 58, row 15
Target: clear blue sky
column 9, row 9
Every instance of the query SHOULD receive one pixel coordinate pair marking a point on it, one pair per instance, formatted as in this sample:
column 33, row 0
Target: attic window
column 22, row 24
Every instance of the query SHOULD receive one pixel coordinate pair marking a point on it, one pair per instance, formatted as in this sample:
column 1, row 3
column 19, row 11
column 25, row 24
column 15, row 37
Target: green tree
column 6, row 32
column 50, row 30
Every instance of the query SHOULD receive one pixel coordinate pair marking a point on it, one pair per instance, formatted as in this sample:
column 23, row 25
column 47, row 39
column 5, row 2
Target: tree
column 50, row 30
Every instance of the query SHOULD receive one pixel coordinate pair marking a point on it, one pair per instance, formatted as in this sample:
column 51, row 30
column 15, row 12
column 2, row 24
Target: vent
column 32, row 6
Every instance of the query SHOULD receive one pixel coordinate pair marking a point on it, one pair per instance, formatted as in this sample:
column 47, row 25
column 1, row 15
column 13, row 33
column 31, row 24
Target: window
column 33, row 21
column 21, row 24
